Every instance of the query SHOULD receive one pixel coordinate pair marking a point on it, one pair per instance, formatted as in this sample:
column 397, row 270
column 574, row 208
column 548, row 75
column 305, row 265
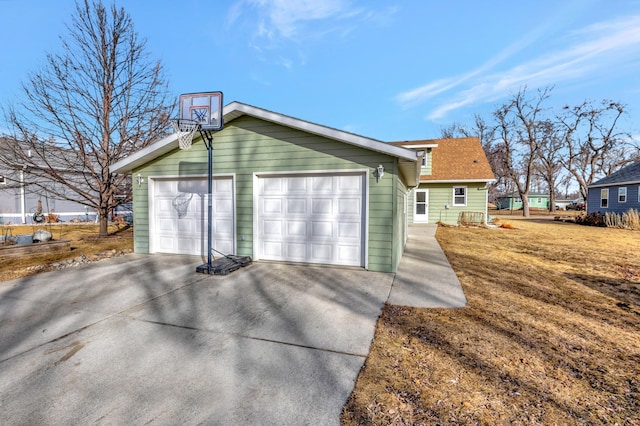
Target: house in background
column 20, row 197
column 284, row 189
column 454, row 175
column 537, row 200
column 616, row 193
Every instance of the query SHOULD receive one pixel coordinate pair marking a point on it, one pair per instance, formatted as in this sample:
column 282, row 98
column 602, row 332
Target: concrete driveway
column 144, row 339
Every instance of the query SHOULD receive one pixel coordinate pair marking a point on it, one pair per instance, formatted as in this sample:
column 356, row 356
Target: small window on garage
column 604, row 198
column 622, row 195
column 459, row 195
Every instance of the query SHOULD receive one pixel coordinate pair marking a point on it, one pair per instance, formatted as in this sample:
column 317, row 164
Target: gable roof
column 236, row 110
column 628, row 175
column 455, row 160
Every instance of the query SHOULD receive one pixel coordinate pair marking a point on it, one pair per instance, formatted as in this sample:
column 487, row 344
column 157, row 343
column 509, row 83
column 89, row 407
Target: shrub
column 591, row 219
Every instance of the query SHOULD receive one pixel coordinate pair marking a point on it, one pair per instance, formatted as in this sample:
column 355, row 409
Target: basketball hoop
column 185, row 129
column 181, row 203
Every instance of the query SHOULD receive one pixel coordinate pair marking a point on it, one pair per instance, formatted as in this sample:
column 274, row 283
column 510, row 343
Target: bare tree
column 594, row 145
column 547, row 163
column 492, row 149
column 91, row 105
column 519, row 132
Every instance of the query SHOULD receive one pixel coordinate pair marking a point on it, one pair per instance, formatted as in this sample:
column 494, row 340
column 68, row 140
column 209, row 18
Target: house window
column 459, row 195
column 604, row 198
column 622, row 195
column 539, row 200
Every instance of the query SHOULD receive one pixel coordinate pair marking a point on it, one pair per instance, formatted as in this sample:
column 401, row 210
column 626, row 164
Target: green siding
column 535, row 201
column 441, row 208
column 400, row 218
column 428, row 167
column 248, row 145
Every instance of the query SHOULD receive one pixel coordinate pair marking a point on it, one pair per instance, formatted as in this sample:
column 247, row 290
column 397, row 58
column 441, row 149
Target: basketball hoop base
column 224, row 265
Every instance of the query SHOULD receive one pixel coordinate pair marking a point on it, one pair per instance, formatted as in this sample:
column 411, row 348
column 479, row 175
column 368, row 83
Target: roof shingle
column 455, row 159
column 629, row 174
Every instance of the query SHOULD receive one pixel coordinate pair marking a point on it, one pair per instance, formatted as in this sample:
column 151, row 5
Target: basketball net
column 185, row 129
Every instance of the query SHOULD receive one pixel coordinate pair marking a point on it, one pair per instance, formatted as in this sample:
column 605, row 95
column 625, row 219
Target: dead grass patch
column 549, row 335
column 84, row 241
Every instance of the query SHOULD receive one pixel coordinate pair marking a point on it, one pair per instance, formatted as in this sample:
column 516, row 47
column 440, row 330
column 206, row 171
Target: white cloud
column 287, row 19
column 591, row 51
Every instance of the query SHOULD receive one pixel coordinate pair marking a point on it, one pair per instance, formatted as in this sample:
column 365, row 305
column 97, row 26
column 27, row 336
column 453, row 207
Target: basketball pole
column 208, row 136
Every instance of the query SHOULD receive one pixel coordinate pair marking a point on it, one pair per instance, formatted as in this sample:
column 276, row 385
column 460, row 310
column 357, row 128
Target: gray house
column 284, row 189
column 23, row 200
column 616, row 193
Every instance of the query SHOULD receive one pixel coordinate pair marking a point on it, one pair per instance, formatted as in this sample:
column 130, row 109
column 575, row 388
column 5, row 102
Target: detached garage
column 284, row 190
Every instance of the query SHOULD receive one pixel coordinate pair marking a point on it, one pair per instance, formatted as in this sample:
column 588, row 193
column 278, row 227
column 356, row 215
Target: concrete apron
column 141, row 339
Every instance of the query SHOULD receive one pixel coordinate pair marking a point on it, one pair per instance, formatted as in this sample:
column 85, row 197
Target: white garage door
column 312, row 218
column 171, row 233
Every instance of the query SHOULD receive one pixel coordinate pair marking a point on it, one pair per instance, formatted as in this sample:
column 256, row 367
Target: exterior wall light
column 380, row 171
column 140, row 180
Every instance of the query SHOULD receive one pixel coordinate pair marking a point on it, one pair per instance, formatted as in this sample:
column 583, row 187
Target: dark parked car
column 576, row 205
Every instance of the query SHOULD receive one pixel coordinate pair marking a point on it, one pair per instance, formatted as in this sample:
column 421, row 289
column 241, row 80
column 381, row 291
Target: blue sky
column 389, row 70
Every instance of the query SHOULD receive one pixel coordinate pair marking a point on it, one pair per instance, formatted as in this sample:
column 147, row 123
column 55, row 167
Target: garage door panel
column 272, row 206
column 222, row 186
column 296, row 185
column 272, row 228
column 295, row 251
column 224, row 207
column 321, row 206
column 349, row 184
column 322, row 184
column 188, row 235
column 321, row 229
column 296, row 228
column 348, row 254
column 223, row 227
column 322, row 253
column 311, row 218
column 273, row 250
column 352, row 206
column 271, row 186
column 349, row 230
column 296, row 206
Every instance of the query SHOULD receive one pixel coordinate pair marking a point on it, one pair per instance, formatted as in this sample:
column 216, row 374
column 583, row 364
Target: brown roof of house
column 456, row 159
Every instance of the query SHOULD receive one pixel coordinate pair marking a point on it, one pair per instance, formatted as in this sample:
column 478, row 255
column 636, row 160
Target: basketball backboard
column 204, row 108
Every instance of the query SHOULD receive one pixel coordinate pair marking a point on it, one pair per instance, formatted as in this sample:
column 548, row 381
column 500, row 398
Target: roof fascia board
column 421, row 145
column 630, row 182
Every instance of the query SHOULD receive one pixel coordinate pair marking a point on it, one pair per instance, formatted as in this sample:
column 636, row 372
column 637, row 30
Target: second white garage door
column 312, row 218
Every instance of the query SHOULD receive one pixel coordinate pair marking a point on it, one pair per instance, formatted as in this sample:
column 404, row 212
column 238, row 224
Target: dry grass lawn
column 550, row 335
column 84, row 241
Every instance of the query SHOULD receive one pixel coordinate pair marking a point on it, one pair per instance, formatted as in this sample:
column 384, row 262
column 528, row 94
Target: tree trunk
column 525, row 204
column 104, row 222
